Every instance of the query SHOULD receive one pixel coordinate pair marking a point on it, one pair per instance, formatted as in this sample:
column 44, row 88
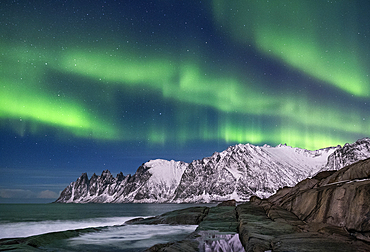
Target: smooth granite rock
column 265, row 227
column 341, row 199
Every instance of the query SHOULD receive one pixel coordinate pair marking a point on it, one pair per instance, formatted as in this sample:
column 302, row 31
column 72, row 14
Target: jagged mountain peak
column 348, row 154
column 238, row 172
column 83, row 177
column 105, row 173
column 120, row 176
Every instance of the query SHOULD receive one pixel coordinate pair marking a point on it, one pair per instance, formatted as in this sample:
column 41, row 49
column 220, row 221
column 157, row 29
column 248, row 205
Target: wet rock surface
column 261, row 226
column 188, row 216
column 34, row 243
column 329, row 212
column 218, row 231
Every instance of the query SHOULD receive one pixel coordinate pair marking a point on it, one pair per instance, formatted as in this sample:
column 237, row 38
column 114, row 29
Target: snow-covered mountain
column 349, row 154
column 237, row 173
column 245, row 170
column 154, row 181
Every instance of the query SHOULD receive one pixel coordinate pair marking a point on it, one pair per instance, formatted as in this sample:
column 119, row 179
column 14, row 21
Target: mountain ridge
column 240, row 171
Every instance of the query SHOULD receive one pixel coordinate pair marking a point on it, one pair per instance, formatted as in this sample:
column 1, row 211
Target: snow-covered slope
column 245, row 170
column 163, row 177
column 349, row 154
column 154, row 181
column 236, row 173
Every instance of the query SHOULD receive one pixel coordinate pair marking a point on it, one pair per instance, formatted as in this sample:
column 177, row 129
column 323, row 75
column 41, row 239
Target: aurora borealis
column 93, row 85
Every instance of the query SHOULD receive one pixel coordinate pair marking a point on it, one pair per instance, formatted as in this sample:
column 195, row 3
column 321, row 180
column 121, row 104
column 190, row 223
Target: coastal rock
column 34, row 243
column 228, row 203
column 265, row 227
column 341, row 199
column 187, row 216
column 260, row 226
column 217, row 229
column 220, row 218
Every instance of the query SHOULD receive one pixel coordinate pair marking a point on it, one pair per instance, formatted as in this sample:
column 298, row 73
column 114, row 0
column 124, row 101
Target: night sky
column 92, row 85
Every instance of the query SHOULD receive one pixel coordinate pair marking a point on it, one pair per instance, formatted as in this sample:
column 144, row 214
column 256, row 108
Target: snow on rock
column 154, row 181
column 162, row 182
column 245, row 170
column 167, row 172
column 237, row 173
column 349, row 154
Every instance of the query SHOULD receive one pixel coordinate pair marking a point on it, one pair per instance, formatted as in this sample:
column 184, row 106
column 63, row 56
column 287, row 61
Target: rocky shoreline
column 253, row 226
column 256, row 226
column 329, row 212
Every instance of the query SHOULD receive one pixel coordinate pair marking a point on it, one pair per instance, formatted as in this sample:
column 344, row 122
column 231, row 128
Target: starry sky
column 92, row 85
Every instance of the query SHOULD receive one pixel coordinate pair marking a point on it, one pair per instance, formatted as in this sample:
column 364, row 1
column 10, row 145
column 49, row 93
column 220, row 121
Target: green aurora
column 236, row 105
column 326, row 40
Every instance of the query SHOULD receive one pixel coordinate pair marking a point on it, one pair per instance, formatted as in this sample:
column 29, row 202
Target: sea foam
column 30, row 228
column 130, row 236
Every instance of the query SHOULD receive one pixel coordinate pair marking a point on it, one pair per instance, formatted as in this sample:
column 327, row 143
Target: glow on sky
column 24, row 100
column 84, row 91
column 321, row 39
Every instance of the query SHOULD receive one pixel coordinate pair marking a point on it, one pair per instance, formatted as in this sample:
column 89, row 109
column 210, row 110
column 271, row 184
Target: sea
column 109, row 232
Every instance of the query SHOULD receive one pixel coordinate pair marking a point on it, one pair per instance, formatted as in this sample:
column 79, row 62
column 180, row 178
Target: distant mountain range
column 238, row 172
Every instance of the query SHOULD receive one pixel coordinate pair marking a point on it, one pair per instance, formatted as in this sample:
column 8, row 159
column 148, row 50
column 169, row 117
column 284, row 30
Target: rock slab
column 341, row 198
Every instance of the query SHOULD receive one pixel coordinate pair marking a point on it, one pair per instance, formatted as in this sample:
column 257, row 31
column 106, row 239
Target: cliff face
column 340, row 198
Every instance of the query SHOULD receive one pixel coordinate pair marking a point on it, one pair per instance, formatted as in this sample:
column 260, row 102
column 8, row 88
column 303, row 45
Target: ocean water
column 24, row 220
